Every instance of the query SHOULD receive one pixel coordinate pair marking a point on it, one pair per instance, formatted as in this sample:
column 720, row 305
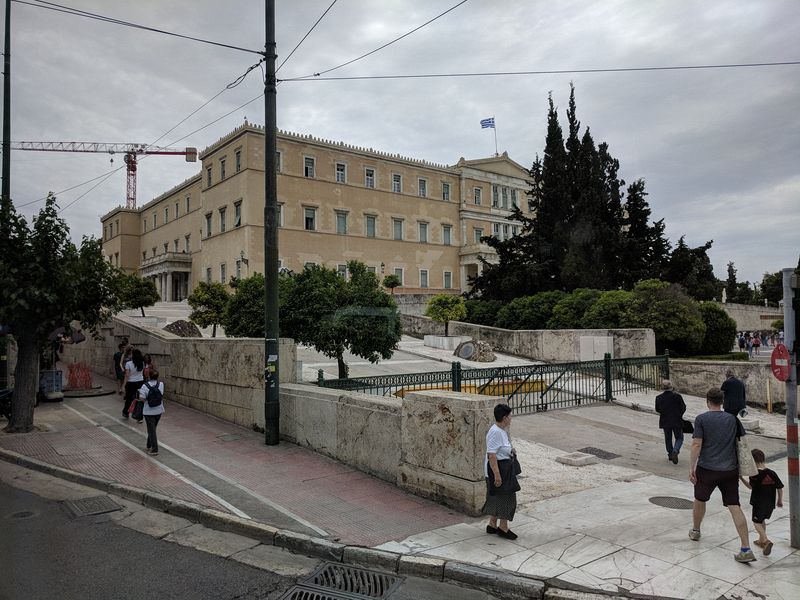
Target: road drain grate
column 604, row 454
column 92, row 506
column 342, row 582
column 672, row 502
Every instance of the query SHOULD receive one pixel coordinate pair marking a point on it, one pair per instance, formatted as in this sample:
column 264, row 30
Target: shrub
column 529, row 312
column 609, row 311
column 777, row 325
column 569, row 312
column 720, row 333
column 445, row 308
column 483, row 312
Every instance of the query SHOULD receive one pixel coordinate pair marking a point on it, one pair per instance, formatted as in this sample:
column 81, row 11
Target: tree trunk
column 214, row 330
column 342, row 365
column 26, row 383
column 141, row 308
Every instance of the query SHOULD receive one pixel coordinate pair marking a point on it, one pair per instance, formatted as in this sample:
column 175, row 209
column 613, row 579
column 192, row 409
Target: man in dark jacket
column 670, row 407
column 733, row 394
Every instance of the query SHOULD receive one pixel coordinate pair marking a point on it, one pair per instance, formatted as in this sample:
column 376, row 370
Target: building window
column 176, row 210
column 237, row 160
column 208, row 274
column 166, row 247
column 176, row 245
column 117, row 222
column 144, row 225
column 372, row 270
column 514, row 230
column 476, row 196
column 369, row 221
column 208, row 224
column 341, row 222
column 448, row 280
column 187, row 245
column 478, row 234
column 278, row 161
column 310, row 219
column 238, row 269
column 514, row 199
column 446, row 192
column 342, row 271
column 222, row 212
column 155, row 220
column 397, row 183
column 369, row 178
column 505, row 197
column 188, row 202
column 144, row 256
column 280, row 215
column 308, row 265
column 446, row 234
column 308, row 167
column 423, row 233
column 116, row 259
column 166, row 215
column 154, row 251
column 399, row 272
column 496, row 230
column 505, row 232
column 495, row 196
column 397, row 228
column 222, row 273
column 208, row 177
column 237, row 213
column 423, row 278
column 341, row 172
column 221, row 169
column 422, row 188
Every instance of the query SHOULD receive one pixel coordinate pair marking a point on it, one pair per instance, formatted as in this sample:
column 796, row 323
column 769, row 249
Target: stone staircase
column 164, row 313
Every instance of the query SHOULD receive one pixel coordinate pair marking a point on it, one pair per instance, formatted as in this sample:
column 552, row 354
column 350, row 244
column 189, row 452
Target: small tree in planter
column 391, row 282
column 445, row 308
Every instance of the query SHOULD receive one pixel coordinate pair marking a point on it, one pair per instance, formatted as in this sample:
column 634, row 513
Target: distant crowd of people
column 143, row 393
column 751, row 341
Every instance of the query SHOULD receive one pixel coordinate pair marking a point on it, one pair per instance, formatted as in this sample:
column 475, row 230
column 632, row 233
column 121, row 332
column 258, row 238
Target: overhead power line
column 90, row 15
column 322, row 16
column 397, row 39
column 551, row 72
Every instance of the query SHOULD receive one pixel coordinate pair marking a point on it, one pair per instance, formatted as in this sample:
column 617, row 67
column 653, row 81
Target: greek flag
column 487, row 123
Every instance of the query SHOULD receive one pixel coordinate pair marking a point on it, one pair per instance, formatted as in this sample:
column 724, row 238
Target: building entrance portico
column 171, row 273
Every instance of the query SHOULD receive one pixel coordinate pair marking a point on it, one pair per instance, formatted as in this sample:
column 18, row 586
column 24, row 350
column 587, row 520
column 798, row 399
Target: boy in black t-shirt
column 765, row 487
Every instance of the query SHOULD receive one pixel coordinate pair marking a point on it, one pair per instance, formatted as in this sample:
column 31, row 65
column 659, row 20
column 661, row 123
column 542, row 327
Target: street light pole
column 791, row 303
column 271, row 328
column 5, row 199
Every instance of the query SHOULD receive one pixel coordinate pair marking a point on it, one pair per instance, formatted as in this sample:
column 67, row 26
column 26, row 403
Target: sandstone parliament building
column 337, row 202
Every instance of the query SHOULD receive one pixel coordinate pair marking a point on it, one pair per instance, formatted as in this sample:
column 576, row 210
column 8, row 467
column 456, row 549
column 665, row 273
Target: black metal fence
column 526, row 388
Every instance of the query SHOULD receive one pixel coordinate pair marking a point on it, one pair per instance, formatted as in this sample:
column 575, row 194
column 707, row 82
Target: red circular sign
column 780, row 362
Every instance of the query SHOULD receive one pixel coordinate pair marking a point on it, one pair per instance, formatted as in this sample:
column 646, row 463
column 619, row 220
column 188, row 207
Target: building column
column 169, row 286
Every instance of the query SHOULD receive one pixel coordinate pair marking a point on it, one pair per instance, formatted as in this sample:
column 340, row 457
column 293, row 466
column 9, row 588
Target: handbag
column 687, row 426
column 747, row 464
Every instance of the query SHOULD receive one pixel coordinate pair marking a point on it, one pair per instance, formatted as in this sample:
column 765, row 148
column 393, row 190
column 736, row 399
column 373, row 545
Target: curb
column 505, row 584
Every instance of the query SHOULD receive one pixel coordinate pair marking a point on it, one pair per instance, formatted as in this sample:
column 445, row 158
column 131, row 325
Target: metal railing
column 526, row 388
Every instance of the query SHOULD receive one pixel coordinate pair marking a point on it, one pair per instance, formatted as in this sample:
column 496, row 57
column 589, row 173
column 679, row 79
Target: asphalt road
column 631, row 434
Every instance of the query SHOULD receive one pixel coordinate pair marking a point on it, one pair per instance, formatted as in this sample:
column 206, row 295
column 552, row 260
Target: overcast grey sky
column 719, row 149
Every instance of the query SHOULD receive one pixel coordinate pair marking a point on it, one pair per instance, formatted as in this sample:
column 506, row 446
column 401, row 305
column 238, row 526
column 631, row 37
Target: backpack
column 154, row 395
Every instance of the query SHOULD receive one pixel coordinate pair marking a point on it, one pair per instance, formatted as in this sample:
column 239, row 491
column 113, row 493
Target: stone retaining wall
column 556, row 345
column 752, row 318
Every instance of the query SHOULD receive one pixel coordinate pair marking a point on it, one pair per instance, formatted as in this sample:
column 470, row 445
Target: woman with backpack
column 134, row 377
column 151, row 395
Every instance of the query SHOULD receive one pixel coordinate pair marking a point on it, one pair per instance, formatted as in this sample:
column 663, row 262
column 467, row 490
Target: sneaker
column 153, row 452
column 509, row 535
column 694, row 534
column 744, row 556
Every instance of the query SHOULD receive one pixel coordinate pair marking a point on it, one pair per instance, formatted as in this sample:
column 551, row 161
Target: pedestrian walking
column 151, row 395
column 767, row 492
column 714, row 464
column 670, row 408
column 757, row 344
column 501, row 475
column 148, row 366
column 134, row 377
column 733, row 391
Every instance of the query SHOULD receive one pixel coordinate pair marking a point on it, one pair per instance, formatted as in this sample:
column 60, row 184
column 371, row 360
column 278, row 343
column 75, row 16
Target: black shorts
column 761, row 513
column 726, row 481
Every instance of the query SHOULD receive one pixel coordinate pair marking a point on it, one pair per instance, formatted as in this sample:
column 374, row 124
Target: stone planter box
column 449, row 342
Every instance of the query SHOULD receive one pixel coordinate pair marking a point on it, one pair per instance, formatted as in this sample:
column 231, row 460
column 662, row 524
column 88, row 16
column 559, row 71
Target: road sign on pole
column 780, row 363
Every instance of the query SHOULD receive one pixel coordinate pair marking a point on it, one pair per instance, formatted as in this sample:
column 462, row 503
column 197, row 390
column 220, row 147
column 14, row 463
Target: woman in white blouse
column 501, row 477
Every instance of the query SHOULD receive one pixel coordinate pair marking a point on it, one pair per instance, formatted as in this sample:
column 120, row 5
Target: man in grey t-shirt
column 714, row 464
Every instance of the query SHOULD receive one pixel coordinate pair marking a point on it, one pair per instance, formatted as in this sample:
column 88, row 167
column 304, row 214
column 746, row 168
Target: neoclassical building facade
column 337, row 202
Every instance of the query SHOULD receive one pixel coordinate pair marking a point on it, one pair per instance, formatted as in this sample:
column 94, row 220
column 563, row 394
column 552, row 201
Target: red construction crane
column 130, row 151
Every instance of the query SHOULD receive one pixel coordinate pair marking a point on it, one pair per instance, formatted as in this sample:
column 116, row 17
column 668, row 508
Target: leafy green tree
column 529, row 312
column 645, row 250
column 136, row 292
column 609, row 311
column 47, row 282
column 569, row 311
column 671, row 313
column 334, row 315
column 482, row 312
column 772, row 287
column 445, row 308
column 720, row 333
column 692, row 269
column 208, row 302
column 243, row 315
column 777, row 325
column 391, row 281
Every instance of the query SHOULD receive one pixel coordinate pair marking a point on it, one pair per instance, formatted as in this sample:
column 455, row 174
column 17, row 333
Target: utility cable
column 69, row 189
column 552, row 72
column 98, row 184
column 89, row 15
column 350, row 62
column 305, row 36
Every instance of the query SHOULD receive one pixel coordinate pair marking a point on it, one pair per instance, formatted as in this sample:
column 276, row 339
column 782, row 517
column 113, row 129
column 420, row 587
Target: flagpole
column 495, row 135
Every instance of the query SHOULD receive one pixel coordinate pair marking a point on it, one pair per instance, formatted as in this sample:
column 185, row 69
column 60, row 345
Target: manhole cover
column 672, row 502
column 92, row 506
column 23, row 514
column 604, row 454
column 341, row 582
